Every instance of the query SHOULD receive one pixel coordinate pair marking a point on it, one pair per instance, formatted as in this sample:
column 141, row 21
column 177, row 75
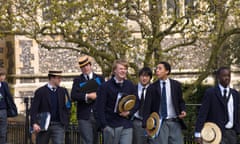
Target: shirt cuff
column 197, row 134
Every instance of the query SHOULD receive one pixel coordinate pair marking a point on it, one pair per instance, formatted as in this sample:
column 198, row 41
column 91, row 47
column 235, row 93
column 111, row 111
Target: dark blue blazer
column 153, row 100
column 213, row 109
column 7, row 92
column 42, row 103
column 106, row 100
column 83, row 108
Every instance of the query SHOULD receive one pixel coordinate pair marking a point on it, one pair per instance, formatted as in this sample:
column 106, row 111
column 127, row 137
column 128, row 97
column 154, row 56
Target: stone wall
column 27, row 64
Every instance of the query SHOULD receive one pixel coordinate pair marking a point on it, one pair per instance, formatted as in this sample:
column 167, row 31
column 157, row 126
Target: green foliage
column 73, row 117
column 134, row 30
column 193, row 107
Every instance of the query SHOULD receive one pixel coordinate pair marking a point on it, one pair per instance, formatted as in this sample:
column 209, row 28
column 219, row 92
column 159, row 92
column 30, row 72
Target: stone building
column 27, row 63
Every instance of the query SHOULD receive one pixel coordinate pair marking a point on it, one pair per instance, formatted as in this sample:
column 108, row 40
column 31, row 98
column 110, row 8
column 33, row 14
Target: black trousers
column 229, row 137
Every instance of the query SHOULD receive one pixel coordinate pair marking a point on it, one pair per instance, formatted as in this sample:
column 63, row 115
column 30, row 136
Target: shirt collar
column 50, row 86
column 90, row 75
column 117, row 81
column 140, row 86
column 223, row 88
column 167, row 81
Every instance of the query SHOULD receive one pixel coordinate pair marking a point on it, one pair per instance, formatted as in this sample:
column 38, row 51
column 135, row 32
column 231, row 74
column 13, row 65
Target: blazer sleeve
column 75, row 94
column 181, row 100
column 237, row 114
column 203, row 111
column 8, row 94
column 100, row 105
column 35, row 106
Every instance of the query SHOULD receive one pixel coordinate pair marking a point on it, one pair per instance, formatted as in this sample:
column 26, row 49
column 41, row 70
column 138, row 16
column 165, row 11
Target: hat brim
column 217, row 131
column 55, row 73
column 152, row 131
column 126, row 103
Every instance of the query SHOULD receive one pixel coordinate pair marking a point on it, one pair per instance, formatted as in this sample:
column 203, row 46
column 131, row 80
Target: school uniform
column 116, row 129
column 54, row 101
column 86, row 116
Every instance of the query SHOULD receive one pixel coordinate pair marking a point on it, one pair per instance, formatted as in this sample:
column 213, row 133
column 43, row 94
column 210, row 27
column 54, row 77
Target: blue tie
column 164, row 101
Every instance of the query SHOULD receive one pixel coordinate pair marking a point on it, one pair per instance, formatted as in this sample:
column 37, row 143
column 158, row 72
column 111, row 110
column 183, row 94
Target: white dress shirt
column 230, row 108
column 139, row 96
column 170, row 107
column 89, row 75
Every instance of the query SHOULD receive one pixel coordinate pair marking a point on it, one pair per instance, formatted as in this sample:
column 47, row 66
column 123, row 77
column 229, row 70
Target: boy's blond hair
column 121, row 62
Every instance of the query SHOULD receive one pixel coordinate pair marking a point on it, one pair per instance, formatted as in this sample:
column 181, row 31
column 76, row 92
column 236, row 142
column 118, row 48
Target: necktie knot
column 164, row 83
column 53, row 89
column 225, row 91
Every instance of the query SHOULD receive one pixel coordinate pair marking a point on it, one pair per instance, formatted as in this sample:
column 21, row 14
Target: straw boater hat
column 126, row 103
column 153, row 124
column 84, row 60
column 55, row 72
column 211, row 133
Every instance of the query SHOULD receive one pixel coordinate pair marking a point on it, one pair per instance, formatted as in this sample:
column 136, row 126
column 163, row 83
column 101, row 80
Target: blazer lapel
column 82, row 78
column 94, row 76
column 48, row 95
column 219, row 95
column 158, row 88
column 172, row 87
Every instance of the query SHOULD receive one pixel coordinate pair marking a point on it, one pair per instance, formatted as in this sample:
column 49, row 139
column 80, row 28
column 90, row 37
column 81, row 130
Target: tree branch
column 181, row 45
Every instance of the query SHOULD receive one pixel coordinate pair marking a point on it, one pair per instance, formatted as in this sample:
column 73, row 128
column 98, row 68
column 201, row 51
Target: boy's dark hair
column 51, row 76
column 221, row 69
column 145, row 71
column 166, row 65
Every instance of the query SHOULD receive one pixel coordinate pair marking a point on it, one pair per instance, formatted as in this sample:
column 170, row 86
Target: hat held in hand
column 153, row 124
column 211, row 133
column 127, row 103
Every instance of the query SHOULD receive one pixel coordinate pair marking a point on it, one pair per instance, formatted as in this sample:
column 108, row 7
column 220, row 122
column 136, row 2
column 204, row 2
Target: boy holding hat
column 115, row 123
column 220, row 106
column 139, row 134
column 51, row 98
column 164, row 97
column 85, row 101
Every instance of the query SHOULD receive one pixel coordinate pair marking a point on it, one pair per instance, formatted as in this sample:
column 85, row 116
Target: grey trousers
column 139, row 134
column 3, row 126
column 55, row 132
column 88, row 130
column 229, row 137
column 117, row 135
column 170, row 133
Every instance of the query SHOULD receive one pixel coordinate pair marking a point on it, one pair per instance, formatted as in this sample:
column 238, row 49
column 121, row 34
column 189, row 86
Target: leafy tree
column 142, row 31
column 225, row 25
